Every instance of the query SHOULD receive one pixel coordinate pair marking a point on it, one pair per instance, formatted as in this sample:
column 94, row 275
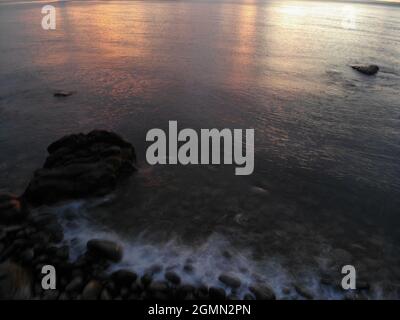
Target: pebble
column 216, row 293
column 173, row 277
column 92, row 290
column 230, row 280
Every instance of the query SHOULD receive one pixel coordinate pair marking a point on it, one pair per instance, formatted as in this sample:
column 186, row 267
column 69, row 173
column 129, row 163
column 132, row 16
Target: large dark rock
column 12, row 209
column 105, row 249
column 81, row 165
column 366, row 69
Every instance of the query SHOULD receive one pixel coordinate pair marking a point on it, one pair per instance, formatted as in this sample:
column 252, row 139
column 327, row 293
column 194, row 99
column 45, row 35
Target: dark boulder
column 366, row 69
column 105, row 249
column 81, row 165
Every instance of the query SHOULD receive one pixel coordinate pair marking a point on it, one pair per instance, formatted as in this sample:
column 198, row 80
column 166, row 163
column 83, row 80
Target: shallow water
column 325, row 190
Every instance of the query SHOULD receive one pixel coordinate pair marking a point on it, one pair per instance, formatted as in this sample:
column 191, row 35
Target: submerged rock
column 81, row 165
column 63, row 94
column 366, row 69
column 105, row 249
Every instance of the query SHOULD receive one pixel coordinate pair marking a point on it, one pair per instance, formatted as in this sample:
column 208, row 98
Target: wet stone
column 173, row 277
column 92, row 290
column 230, row 280
column 216, row 293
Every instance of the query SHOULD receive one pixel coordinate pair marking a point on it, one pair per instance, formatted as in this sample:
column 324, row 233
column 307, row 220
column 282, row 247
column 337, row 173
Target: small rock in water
column 172, row 277
column 262, row 292
column 105, row 249
column 62, row 94
column 188, row 268
column 92, row 290
column 366, row 69
column 230, row 280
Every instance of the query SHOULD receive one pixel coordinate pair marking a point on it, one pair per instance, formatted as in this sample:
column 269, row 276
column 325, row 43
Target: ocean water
column 326, row 185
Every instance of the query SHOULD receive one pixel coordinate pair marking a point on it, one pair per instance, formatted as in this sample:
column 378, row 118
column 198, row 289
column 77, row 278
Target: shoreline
column 33, row 239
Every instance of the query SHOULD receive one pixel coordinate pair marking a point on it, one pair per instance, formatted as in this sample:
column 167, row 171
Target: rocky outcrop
column 366, row 69
column 81, row 165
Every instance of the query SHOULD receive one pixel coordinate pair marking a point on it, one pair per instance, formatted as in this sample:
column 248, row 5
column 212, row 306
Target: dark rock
column 230, row 280
column 183, row 291
column 62, row 253
column 81, row 166
column 27, row 255
column 92, row 290
column 136, row 287
column 173, row 277
column 146, row 279
column 112, row 287
column 105, row 295
column 63, row 296
column 63, row 94
column 105, row 249
column 12, row 209
column 366, row 69
column 158, row 286
column 54, row 231
column 154, row 269
column 217, row 293
column 262, row 292
column 50, row 294
column 248, row 296
column 124, row 277
column 188, row 268
column 303, row 292
column 75, row 285
column 40, row 220
column 124, row 292
column 15, row 282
